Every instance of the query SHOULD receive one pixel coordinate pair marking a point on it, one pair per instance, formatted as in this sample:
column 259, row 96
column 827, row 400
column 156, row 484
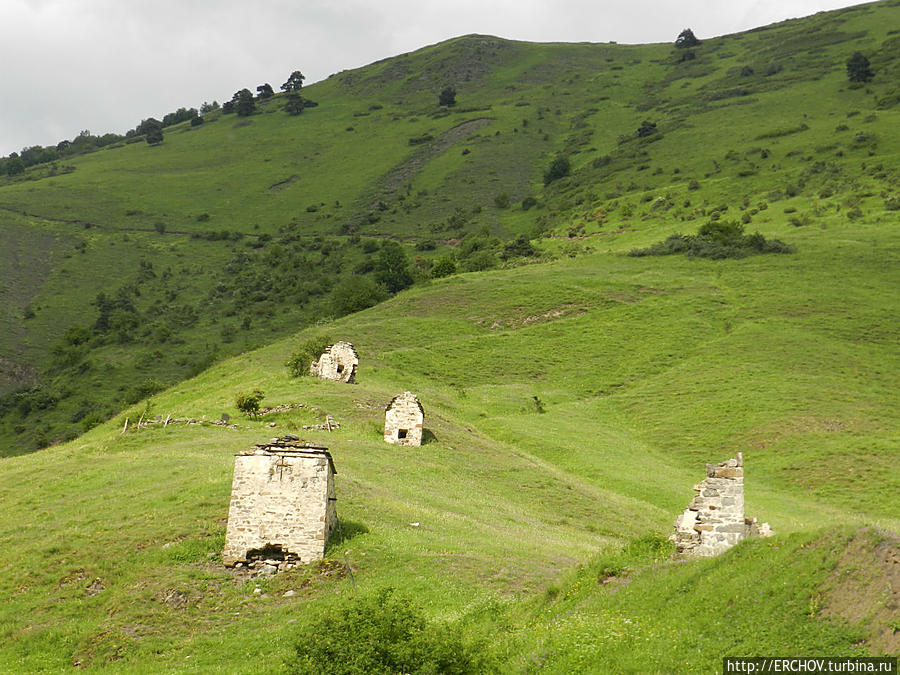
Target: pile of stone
column 284, row 407
column 329, row 425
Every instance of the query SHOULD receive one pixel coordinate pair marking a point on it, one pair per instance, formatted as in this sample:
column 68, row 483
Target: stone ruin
column 714, row 521
column 404, row 420
column 338, row 362
column 282, row 506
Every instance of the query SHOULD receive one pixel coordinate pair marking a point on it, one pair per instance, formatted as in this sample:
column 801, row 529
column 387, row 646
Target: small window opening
column 340, row 368
column 402, row 433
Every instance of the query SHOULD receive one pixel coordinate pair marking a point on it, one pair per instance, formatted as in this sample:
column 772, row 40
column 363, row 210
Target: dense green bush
column 309, row 351
column 716, row 239
column 392, row 267
column 355, row 293
column 383, row 633
column 444, row 267
column 559, row 168
column 249, row 403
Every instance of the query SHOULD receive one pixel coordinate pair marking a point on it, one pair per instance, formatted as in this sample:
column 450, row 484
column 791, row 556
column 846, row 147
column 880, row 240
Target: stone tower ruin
column 282, row 505
column 714, row 521
column 338, row 362
column 404, row 420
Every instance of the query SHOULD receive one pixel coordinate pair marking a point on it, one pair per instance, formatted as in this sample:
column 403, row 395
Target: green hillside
column 573, row 393
column 244, row 229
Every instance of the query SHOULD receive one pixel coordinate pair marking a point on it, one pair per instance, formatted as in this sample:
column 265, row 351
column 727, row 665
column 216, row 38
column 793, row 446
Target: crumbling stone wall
column 404, row 420
column 338, row 362
column 714, row 521
column 282, row 505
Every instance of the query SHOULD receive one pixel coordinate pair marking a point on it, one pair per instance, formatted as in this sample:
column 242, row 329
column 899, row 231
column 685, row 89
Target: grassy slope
column 650, row 368
column 646, row 367
column 719, row 127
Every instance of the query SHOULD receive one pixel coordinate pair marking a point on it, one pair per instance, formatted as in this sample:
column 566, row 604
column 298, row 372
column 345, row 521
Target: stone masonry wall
column 282, row 504
column 338, row 362
column 714, row 520
column 404, row 420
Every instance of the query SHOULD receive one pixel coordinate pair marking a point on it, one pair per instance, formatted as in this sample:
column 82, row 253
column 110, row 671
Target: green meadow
column 573, row 393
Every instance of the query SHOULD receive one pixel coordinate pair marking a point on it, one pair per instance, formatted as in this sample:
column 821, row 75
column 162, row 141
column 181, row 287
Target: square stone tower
column 338, row 362
column 404, row 420
column 282, row 504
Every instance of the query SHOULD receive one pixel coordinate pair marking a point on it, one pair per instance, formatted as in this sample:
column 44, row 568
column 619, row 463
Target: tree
column 227, row 107
column 249, row 403
column 294, row 104
column 686, row 38
column 294, row 82
column 152, row 130
column 264, row 91
column 392, row 267
column 208, row 107
column 243, row 103
column 444, row 267
column 447, row 96
column 354, row 294
column 559, row 168
column 15, row 165
column 309, row 351
column 858, row 69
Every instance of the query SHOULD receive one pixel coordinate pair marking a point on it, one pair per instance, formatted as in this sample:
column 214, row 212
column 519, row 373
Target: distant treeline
column 86, row 142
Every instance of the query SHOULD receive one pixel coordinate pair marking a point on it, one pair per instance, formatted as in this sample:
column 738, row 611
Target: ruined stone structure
column 714, row 521
column 404, row 420
column 282, row 505
column 338, row 362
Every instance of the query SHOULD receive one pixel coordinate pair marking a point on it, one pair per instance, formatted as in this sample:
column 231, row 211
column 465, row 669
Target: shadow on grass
column 344, row 532
column 428, row 436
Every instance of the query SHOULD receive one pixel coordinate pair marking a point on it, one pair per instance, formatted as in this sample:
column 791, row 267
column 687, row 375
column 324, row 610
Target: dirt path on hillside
column 386, row 187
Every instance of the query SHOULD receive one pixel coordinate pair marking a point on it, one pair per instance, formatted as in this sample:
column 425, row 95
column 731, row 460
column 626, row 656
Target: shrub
column 520, row 247
column 249, row 403
column 354, row 294
column 528, row 202
column 717, row 240
column 892, row 203
column 647, row 128
column 382, row 633
column 501, row 201
column 447, row 96
column 559, row 168
column 309, row 351
column 858, row 68
column 444, row 267
column 480, row 261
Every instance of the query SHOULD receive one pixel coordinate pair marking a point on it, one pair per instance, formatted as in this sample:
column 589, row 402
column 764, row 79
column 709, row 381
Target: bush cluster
column 299, row 362
column 383, row 633
column 717, row 240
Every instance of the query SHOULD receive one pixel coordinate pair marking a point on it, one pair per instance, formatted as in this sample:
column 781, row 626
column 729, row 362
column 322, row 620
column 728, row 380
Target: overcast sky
column 104, row 65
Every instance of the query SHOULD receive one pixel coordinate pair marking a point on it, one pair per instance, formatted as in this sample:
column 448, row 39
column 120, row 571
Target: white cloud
column 104, row 65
